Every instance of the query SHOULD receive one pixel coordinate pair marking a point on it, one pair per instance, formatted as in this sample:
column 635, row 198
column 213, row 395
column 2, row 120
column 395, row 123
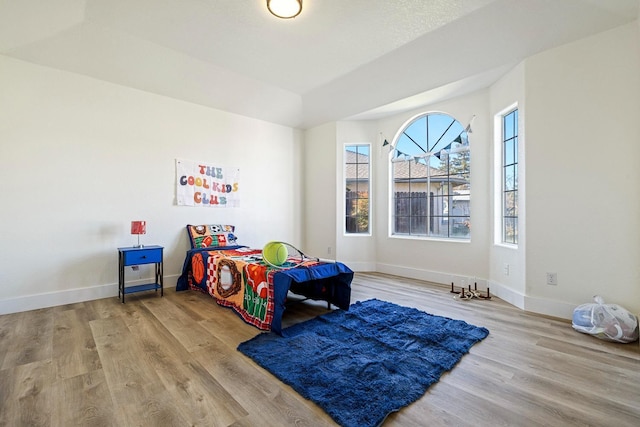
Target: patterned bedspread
column 238, row 278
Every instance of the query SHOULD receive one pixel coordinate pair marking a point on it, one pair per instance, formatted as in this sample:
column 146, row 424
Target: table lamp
column 138, row 228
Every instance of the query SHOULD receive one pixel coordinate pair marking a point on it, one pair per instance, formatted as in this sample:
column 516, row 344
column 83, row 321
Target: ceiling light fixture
column 285, row 8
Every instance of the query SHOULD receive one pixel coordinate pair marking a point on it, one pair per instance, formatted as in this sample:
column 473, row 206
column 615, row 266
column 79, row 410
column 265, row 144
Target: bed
column 237, row 277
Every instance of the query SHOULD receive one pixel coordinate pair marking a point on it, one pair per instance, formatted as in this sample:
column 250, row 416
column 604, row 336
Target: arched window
column 431, row 188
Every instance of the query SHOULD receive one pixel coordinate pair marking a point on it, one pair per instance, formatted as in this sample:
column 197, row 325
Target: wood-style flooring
column 172, row 361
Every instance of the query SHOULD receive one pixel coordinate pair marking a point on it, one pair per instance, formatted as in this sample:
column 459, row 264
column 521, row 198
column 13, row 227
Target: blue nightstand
column 138, row 256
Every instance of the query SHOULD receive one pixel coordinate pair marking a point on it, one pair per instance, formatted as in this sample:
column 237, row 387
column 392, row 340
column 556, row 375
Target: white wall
column 320, row 191
column 583, row 179
column 509, row 285
column 81, row 158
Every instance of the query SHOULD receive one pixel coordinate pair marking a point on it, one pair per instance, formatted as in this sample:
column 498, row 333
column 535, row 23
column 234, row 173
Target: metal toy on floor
column 469, row 294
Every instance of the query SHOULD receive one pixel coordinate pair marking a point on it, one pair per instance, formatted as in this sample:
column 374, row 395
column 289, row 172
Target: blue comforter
column 324, row 281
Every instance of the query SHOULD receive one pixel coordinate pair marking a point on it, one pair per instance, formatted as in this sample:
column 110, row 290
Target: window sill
column 506, row 246
column 429, row 239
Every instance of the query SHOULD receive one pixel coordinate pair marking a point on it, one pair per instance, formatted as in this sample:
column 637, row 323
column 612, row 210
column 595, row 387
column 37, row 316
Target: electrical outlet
column 328, row 250
column 552, row 279
column 505, row 269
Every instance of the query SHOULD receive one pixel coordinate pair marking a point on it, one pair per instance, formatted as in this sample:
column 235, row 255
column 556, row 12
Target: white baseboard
column 532, row 304
column 559, row 309
column 562, row 310
column 507, row 294
column 361, row 266
column 524, row 302
column 68, row 296
column 52, row 299
column 431, row 276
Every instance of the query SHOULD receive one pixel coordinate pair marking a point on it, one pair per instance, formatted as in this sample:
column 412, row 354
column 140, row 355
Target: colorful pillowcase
column 204, row 236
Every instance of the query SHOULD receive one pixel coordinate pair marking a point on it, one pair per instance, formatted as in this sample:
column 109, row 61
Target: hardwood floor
column 173, row 361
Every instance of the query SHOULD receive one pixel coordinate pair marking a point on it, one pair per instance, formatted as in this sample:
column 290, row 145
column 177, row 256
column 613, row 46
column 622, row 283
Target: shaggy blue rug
column 363, row 364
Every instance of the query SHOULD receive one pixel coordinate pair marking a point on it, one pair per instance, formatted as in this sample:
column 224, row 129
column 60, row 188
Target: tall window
column 510, row 177
column 431, row 189
column 357, row 184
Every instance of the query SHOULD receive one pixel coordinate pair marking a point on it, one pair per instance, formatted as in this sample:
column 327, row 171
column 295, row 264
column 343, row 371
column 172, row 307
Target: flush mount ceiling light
column 285, row 8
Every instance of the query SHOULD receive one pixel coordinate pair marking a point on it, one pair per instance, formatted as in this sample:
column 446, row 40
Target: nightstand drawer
column 143, row 256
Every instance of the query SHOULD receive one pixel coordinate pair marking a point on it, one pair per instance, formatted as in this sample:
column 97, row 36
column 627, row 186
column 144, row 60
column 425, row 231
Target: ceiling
column 338, row 59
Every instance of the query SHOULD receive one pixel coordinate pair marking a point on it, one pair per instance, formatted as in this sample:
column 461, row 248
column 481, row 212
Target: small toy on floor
column 466, row 295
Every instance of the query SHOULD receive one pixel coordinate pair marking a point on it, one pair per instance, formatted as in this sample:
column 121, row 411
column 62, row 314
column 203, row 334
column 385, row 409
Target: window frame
column 501, row 165
column 345, row 184
column 432, row 216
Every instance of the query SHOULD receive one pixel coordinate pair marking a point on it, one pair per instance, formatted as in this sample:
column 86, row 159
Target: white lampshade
column 285, row 8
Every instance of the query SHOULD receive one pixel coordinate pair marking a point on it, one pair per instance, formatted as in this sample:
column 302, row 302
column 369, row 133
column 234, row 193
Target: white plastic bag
column 609, row 322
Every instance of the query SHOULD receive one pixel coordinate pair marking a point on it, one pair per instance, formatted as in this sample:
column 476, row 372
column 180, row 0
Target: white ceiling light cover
column 285, row 8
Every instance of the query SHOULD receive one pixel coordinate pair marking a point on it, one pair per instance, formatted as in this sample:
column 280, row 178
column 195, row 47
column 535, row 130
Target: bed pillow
column 203, row 236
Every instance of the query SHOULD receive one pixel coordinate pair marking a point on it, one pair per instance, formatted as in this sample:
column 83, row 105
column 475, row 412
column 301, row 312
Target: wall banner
column 207, row 185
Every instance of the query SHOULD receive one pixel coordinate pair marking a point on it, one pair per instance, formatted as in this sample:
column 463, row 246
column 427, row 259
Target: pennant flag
column 443, row 153
column 468, row 128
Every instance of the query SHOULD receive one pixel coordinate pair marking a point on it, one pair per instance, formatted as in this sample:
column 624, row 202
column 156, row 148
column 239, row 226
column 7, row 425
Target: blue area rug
column 363, row 364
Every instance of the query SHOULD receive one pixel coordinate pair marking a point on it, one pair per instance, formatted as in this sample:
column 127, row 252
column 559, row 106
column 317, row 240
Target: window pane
column 418, row 204
column 418, row 173
column 402, row 225
column 439, row 205
column 510, row 203
column 509, row 126
column 458, row 182
column 460, row 206
column 509, row 152
column 402, row 204
column 510, row 178
column 418, row 225
column 413, row 140
column 510, row 230
column 459, row 163
column 363, row 172
column 351, row 225
column 460, row 227
column 363, row 215
column 441, row 230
